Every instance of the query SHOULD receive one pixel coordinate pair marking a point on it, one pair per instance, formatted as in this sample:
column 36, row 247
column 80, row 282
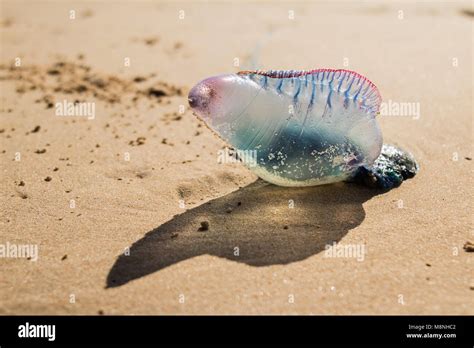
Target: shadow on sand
column 261, row 224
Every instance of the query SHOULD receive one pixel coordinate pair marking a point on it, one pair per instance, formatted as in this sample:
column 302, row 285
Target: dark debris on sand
column 204, row 226
column 76, row 78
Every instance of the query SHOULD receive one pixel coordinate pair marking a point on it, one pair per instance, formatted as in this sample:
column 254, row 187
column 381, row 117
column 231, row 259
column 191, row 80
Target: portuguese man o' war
column 307, row 127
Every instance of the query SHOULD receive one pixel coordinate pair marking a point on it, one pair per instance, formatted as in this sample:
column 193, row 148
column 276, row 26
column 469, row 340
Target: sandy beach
column 127, row 210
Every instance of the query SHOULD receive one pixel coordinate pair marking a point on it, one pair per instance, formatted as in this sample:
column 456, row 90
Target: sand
column 131, row 211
